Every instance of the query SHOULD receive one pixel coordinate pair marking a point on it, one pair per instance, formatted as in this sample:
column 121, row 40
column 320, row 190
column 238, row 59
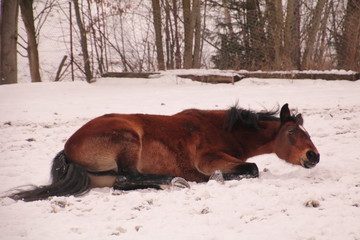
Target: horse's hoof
column 179, row 182
column 217, row 176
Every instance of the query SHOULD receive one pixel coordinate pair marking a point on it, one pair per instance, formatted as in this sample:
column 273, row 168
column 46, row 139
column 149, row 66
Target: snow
column 332, row 71
column 285, row 202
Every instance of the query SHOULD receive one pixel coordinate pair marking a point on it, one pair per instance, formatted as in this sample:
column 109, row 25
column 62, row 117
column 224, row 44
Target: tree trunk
column 158, row 35
column 313, row 30
column 8, row 52
column 255, row 30
column 227, row 18
column 95, row 41
column 169, row 37
column 177, row 37
column 83, row 42
column 26, row 7
column 292, row 35
column 197, row 38
column 321, row 46
column 275, row 33
column 349, row 56
column 188, row 34
column 250, row 30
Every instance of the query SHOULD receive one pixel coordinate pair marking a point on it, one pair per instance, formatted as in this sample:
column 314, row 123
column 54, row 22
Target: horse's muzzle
column 312, row 159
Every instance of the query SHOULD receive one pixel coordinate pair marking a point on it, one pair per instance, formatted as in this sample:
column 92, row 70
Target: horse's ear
column 299, row 119
column 285, row 115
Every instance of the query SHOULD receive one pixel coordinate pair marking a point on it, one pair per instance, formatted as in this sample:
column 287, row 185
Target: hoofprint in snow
column 285, row 202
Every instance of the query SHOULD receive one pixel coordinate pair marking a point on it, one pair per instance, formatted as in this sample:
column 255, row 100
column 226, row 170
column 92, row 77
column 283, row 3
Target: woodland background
column 145, row 36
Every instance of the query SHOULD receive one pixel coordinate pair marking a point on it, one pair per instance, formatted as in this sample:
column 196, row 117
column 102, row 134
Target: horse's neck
column 264, row 139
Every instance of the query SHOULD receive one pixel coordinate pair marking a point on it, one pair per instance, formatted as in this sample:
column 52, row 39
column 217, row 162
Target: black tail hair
column 68, row 178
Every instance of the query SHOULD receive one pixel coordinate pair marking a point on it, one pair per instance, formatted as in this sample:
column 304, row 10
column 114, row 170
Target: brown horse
column 140, row 151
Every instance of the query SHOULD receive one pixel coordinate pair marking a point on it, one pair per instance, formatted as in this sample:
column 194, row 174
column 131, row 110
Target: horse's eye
column 292, row 131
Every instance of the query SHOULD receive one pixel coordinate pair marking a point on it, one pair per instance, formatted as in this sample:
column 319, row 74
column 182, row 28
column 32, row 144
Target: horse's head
column 293, row 143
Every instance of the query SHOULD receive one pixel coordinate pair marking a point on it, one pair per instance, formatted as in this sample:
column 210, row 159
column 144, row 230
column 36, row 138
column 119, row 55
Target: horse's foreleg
column 246, row 170
column 229, row 167
column 143, row 181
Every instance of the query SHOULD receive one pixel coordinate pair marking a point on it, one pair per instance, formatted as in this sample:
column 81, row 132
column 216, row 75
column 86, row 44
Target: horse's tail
column 68, row 178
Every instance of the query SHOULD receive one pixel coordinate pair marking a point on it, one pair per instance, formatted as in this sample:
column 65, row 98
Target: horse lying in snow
column 133, row 151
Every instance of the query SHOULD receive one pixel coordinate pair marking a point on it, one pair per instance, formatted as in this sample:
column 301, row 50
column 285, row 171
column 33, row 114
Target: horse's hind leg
column 142, row 181
column 102, row 179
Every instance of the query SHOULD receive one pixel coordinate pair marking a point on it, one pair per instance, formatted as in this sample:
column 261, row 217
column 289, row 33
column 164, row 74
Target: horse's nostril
column 312, row 156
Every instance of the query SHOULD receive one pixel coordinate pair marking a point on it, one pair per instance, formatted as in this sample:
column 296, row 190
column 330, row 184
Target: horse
column 137, row 151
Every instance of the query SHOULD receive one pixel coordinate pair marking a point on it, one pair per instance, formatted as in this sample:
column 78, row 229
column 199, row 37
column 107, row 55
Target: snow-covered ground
column 285, row 202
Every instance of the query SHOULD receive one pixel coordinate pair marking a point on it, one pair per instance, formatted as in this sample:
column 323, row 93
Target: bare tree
column 8, row 41
column 172, row 36
column 292, row 49
column 158, row 34
column 94, row 19
column 197, row 35
column 26, row 7
column 320, row 59
column 83, row 42
column 188, row 34
column 350, row 39
column 227, row 18
column 311, row 34
column 192, row 33
column 176, row 36
column 274, row 15
column 255, row 35
column 169, row 35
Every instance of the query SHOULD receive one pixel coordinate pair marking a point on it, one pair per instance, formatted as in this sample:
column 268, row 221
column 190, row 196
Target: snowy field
column 285, row 202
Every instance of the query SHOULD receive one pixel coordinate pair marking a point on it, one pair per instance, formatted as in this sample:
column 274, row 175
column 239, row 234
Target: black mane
column 248, row 118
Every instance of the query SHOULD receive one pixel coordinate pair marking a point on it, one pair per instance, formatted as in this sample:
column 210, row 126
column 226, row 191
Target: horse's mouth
column 307, row 164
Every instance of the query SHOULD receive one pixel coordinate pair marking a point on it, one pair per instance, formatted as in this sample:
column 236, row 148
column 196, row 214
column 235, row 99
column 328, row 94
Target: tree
column 227, row 18
column 292, row 35
column 192, row 33
column 26, row 7
column 350, row 39
column 274, row 15
column 8, row 42
column 158, row 35
column 188, row 34
column 311, row 34
column 176, row 37
column 98, row 35
column 83, row 42
column 197, row 36
column 320, row 59
column 172, row 36
column 169, row 36
column 255, row 38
